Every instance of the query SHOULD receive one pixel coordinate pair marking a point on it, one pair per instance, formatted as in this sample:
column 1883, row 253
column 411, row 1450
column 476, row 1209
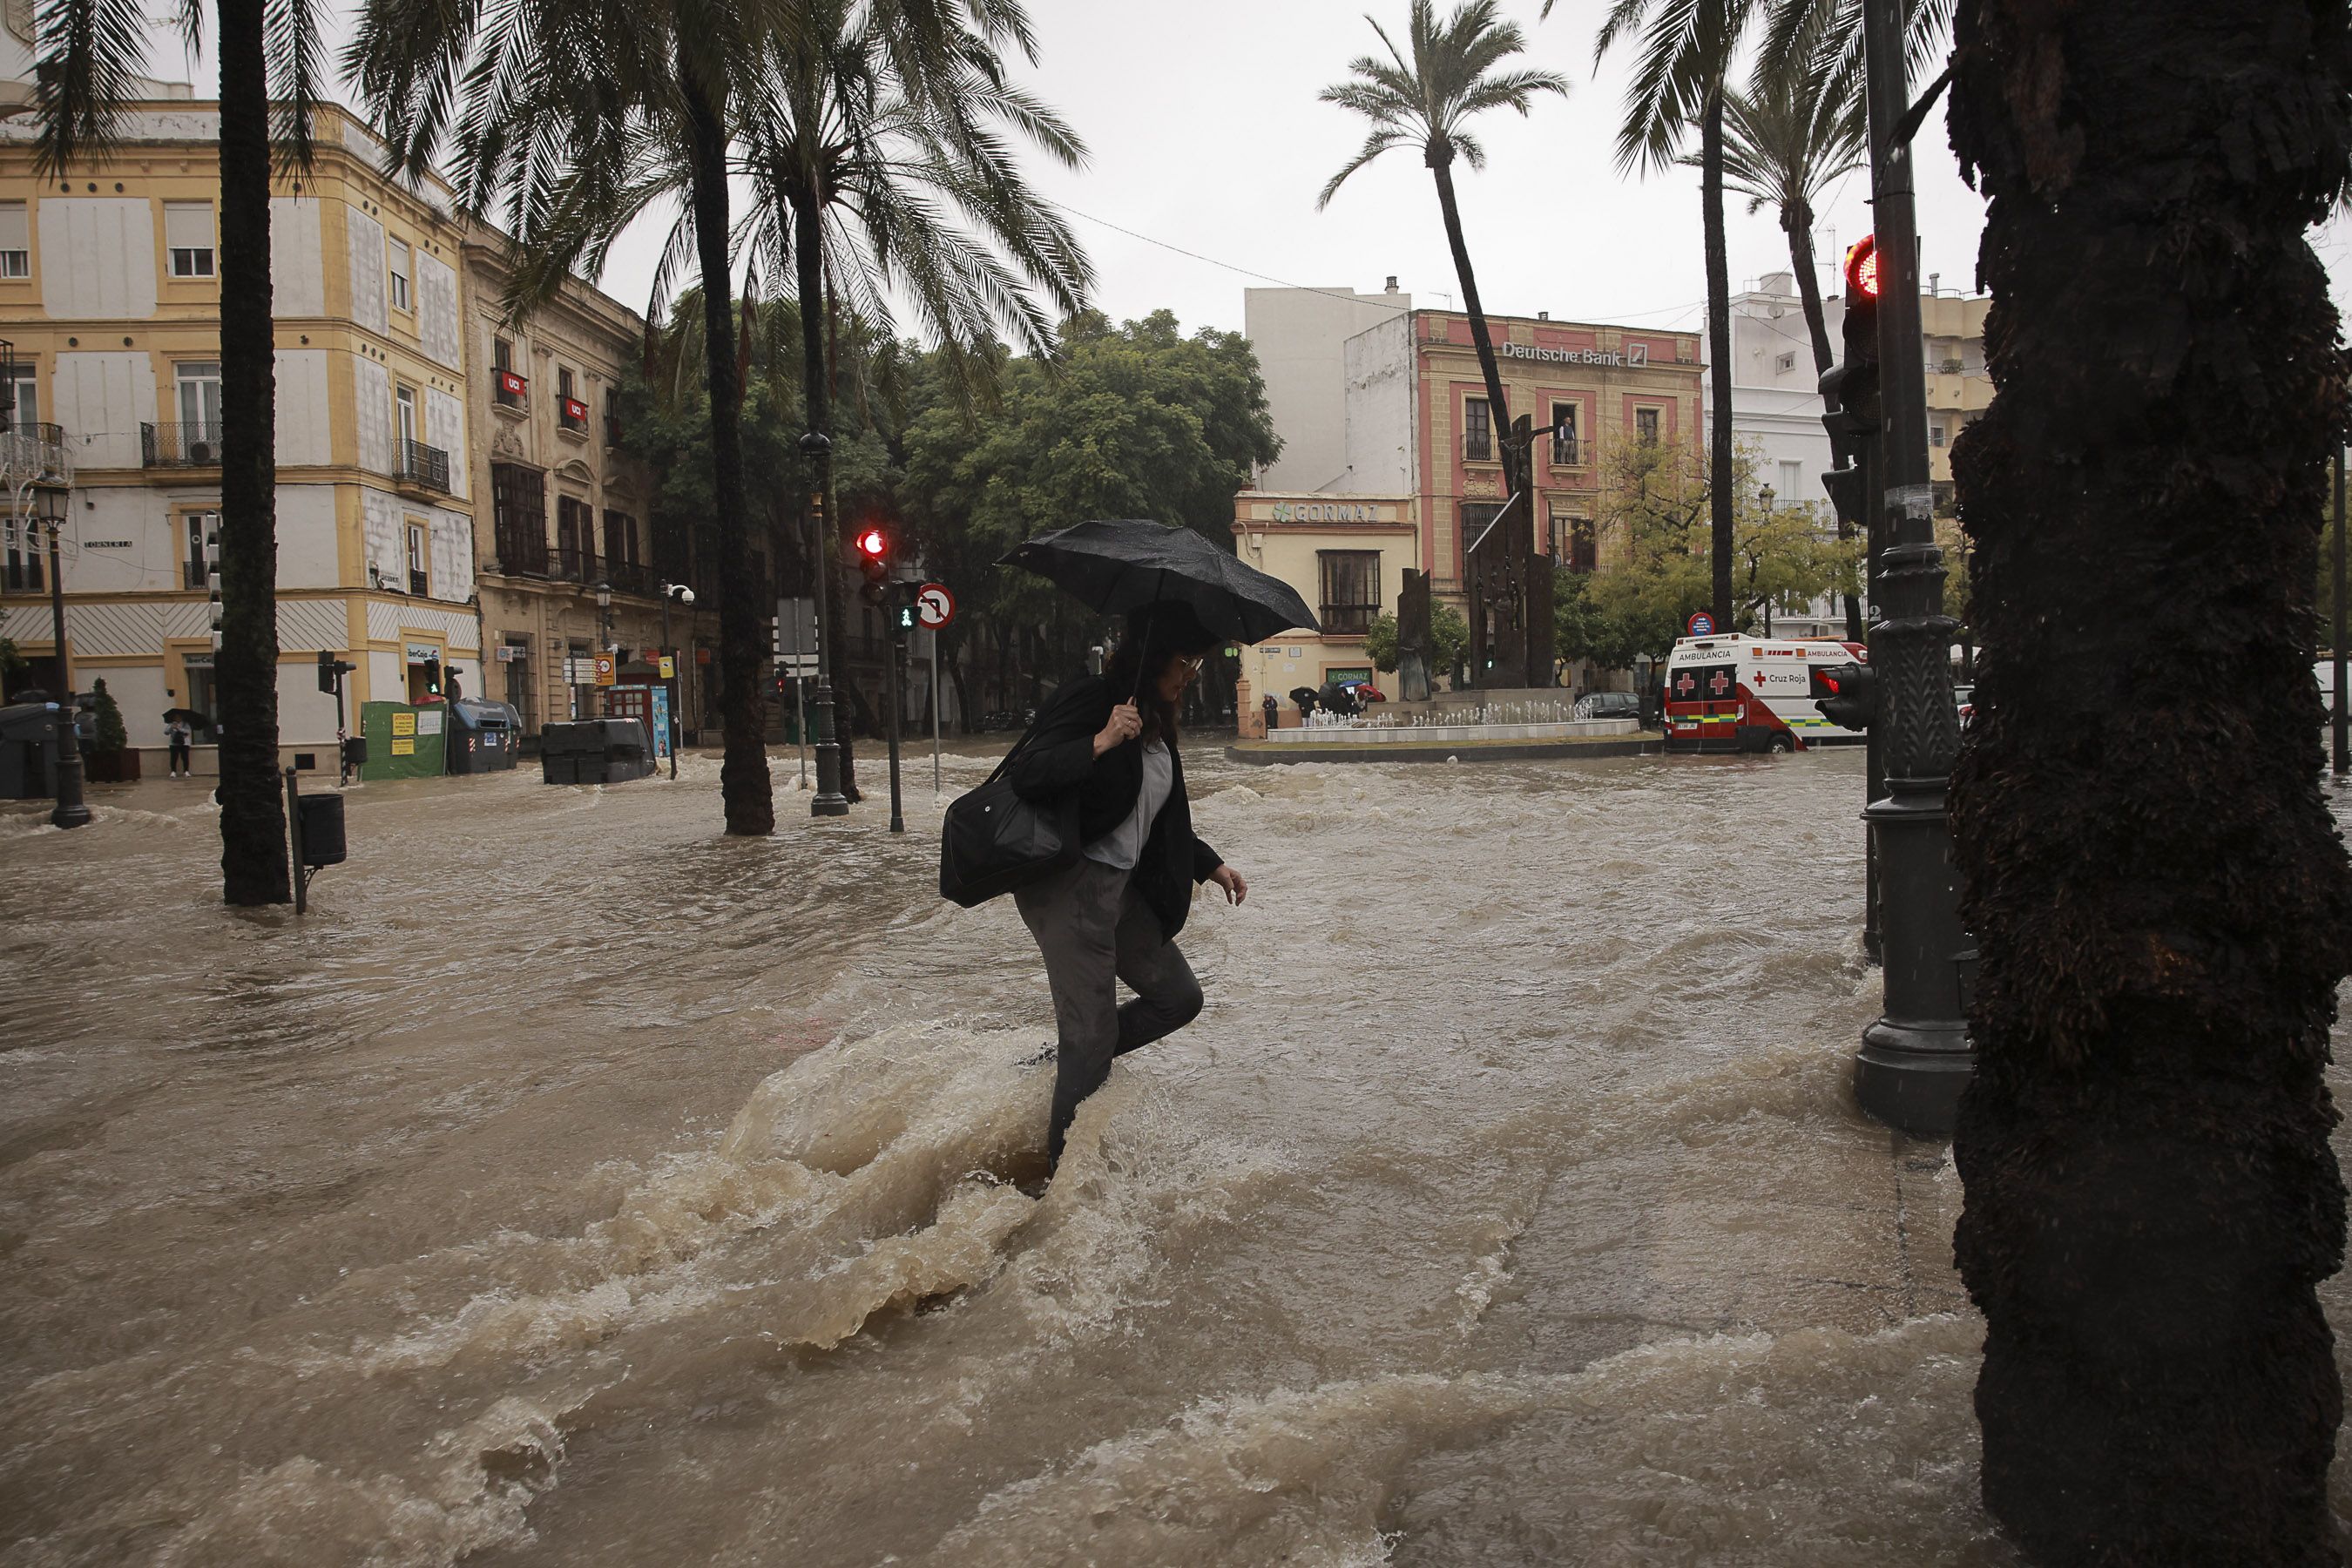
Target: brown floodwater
column 573, row 1185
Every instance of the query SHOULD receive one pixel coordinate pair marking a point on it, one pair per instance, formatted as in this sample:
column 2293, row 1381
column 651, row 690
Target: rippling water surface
column 572, row 1185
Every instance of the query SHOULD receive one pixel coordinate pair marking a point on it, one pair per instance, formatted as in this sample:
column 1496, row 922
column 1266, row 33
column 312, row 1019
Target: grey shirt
column 1122, row 847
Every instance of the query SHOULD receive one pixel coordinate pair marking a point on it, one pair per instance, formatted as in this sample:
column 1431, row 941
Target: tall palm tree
column 1801, row 127
column 879, row 175
column 2149, row 869
column 1682, row 80
column 553, row 101
column 1425, row 97
column 91, row 54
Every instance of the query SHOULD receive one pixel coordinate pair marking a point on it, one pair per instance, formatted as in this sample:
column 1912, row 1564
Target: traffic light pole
column 828, row 801
column 1915, row 1060
column 897, row 648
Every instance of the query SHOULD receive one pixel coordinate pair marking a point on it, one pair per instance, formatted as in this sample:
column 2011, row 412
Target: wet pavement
column 573, row 1185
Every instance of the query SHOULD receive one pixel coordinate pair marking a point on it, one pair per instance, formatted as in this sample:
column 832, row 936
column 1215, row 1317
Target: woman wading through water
column 1114, row 914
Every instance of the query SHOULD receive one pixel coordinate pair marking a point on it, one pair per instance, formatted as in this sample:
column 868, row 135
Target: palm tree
column 1681, row 80
column 584, row 117
column 860, row 158
column 1801, row 128
column 1426, row 99
column 91, row 52
column 555, row 103
column 2149, row 869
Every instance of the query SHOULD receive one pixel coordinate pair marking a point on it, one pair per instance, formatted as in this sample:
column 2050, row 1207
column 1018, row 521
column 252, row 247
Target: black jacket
column 1060, row 757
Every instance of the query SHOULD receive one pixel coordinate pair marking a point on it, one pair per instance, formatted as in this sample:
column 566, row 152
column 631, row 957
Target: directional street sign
column 936, row 606
column 605, row 669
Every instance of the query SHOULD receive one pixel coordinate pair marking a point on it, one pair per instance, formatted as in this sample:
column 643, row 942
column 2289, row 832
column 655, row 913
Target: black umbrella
column 190, row 714
column 1118, row 566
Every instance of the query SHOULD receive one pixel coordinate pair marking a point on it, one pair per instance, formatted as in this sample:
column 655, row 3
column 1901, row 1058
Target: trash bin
column 355, row 751
column 482, row 735
column 628, row 751
column 27, row 738
column 323, row 829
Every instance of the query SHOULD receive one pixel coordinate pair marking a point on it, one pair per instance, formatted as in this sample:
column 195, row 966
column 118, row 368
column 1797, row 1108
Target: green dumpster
column 404, row 741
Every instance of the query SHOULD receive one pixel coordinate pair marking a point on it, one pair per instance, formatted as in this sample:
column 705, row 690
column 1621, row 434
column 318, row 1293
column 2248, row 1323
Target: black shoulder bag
column 993, row 841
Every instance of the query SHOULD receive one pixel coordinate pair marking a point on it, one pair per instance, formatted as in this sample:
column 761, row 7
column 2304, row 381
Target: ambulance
column 1737, row 693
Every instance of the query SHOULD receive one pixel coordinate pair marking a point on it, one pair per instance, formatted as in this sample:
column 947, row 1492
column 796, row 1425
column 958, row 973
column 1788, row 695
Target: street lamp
column 50, row 507
column 684, row 595
column 1764, row 496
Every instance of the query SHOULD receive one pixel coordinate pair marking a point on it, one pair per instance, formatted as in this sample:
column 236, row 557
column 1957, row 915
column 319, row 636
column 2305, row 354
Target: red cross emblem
column 1718, row 684
column 1685, row 684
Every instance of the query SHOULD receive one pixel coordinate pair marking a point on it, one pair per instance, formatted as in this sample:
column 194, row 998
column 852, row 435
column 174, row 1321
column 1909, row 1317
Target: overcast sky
column 1206, row 136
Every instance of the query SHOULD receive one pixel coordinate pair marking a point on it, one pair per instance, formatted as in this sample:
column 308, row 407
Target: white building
column 1299, row 335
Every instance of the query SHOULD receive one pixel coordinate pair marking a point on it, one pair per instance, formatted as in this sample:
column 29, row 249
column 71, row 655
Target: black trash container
column 323, row 829
column 483, row 736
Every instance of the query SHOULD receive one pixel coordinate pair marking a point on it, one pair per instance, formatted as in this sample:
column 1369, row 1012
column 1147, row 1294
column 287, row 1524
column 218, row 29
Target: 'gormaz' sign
column 1634, row 355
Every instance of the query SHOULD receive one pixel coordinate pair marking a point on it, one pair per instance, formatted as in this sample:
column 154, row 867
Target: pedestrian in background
column 1110, row 740
column 180, row 733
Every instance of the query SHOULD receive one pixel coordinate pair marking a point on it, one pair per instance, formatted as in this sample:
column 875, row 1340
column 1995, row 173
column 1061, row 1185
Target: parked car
column 1609, row 705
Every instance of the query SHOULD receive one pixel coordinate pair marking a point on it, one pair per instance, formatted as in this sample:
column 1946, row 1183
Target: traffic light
column 1850, row 388
column 903, row 616
column 874, row 560
column 1846, row 694
column 331, row 671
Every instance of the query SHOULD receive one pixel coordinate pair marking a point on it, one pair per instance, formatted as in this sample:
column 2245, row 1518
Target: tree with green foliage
column 1137, row 420
column 1449, row 636
column 111, row 738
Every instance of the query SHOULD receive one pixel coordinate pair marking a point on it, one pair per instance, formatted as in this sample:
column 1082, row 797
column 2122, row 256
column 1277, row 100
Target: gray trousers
column 1093, row 930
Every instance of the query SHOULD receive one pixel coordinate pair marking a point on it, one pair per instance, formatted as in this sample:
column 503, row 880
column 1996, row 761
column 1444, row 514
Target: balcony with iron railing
column 423, row 465
column 196, row 446
column 1569, row 452
column 36, row 452
column 522, row 551
column 571, row 415
column 1478, row 446
column 194, row 575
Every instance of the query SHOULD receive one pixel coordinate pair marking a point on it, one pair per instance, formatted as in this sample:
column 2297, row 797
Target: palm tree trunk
column 744, row 788
column 2162, row 910
column 847, row 751
column 1797, row 219
column 1441, row 161
column 253, row 809
column 1720, row 499
column 816, row 392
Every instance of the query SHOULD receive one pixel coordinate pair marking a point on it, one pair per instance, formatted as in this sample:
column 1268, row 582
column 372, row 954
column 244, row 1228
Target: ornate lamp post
column 684, row 595
column 50, row 507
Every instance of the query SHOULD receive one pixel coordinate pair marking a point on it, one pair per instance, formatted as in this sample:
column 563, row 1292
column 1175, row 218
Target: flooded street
column 575, row 1186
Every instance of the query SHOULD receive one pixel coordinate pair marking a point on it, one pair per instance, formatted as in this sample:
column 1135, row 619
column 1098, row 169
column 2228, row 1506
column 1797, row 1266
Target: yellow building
column 566, row 512
column 110, row 296
column 1951, row 334
column 1347, row 555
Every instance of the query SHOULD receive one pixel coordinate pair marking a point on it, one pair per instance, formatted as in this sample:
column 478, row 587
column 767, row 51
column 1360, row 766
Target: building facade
column 110, row 296
column 1421, row 457
column 1299, row 336
column 572, row 566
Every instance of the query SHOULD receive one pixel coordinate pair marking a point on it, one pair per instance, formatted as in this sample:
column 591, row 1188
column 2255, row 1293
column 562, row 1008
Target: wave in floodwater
column 575, row 1185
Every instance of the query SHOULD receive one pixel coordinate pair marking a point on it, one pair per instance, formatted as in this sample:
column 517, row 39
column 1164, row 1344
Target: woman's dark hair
column 1155, row 639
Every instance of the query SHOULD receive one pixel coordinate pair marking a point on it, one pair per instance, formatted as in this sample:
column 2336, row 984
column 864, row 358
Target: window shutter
column 16, row 234
column 187, row 226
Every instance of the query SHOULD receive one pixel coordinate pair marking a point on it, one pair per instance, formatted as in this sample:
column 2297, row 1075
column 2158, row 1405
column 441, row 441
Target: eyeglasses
column 1192, row 662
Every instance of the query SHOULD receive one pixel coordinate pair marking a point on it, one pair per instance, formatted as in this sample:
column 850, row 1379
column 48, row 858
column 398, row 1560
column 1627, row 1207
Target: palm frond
column 91, row 55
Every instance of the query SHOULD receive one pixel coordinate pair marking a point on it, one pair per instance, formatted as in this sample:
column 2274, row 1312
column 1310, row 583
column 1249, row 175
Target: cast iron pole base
column 828, row 801
column 1915, row 1060
column 69, row 812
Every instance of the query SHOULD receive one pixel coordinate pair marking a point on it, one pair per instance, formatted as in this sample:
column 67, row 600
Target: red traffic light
column 872, row 543
column 1862, row 267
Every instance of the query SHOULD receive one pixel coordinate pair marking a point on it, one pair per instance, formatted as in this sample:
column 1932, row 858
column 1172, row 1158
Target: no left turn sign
column 934, row 606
